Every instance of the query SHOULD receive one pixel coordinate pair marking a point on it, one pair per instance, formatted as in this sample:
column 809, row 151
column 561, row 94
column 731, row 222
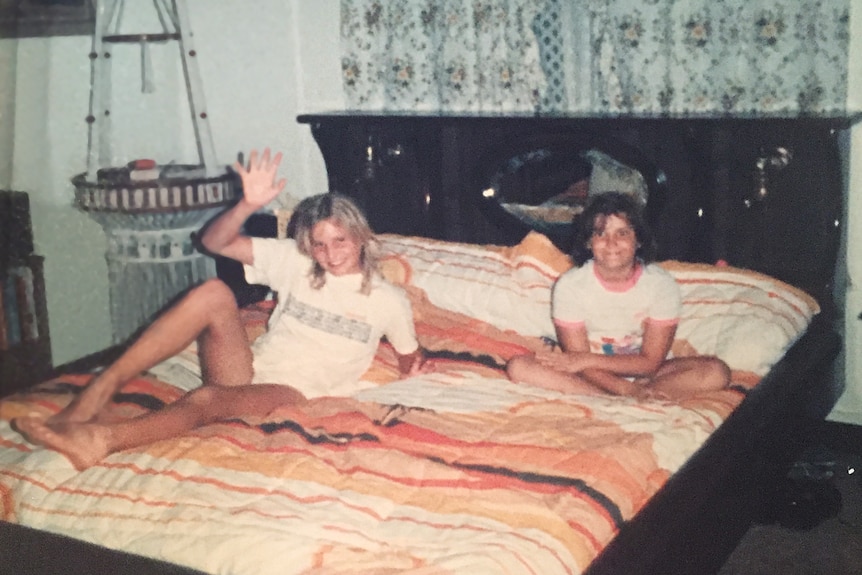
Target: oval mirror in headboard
column 541, row 182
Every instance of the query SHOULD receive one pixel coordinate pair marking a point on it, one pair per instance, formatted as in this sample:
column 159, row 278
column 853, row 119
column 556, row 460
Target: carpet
column 813, row 533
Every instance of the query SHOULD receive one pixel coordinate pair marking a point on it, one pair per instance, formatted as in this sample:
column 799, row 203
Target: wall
column 848, row 409
column 8, row 56
column 262, row 63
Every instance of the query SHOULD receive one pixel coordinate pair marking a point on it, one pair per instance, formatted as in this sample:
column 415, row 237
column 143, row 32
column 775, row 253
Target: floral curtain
column 596, row 55
column 478, row 55
column 712, row 55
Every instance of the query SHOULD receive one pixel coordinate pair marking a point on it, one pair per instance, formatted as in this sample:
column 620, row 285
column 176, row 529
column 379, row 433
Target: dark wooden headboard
column 762, row 192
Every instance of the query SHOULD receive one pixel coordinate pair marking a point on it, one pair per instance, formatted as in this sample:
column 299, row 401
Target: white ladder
column 174, row 19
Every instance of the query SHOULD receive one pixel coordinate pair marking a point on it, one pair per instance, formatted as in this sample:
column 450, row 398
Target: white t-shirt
column 321, row 341
column 615, row 319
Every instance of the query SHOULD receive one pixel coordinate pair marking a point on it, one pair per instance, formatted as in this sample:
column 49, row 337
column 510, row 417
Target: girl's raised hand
column 259, row 186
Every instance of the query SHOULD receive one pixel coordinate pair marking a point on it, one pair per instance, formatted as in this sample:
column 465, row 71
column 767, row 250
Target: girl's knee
column 209, row 403
column 212, row 296
column 204, row 395
column 213, row 291
column 716, row 373
column 516, row 367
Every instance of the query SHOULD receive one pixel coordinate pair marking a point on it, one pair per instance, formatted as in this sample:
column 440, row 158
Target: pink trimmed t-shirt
column 615, row 320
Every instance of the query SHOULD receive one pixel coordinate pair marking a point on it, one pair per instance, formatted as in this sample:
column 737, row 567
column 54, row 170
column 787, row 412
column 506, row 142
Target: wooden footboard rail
column 694, row 522
column 26, row 551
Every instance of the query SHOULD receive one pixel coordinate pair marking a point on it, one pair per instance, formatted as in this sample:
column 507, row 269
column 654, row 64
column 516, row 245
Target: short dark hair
column 607, row 204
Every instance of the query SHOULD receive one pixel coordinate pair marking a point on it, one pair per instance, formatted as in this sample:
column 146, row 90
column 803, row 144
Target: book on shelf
column 26, row 303
column 10, row 307
column 16, row 233
column 18, row 308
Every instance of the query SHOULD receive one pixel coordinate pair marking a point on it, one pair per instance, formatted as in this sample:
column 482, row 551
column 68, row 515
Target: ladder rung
column 136, row 38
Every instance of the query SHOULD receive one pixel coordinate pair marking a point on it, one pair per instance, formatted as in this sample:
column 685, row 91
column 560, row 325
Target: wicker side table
column 150, row 229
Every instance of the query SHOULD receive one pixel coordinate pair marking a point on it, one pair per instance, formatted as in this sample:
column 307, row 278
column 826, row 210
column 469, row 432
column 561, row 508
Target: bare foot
column 77, row 411
column 84, row 444
column 87, row 405
column 65, row 416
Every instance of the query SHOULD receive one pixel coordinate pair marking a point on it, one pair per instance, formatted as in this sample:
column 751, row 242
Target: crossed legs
column 677, row 378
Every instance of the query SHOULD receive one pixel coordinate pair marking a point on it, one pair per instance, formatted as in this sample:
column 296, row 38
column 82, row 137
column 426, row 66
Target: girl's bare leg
column 525, row 369
column 207, row 313
column 687, row 376
column 677, row 378
column 87, row 443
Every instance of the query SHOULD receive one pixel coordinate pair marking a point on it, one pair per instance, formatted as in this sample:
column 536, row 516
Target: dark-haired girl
column 616, row 316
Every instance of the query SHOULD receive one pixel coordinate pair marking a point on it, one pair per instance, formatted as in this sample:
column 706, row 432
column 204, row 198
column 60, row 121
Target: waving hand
column 259, row 178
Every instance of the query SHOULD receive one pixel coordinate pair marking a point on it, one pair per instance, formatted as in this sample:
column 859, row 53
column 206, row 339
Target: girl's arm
column 577, row 358
column 223, row 237
column 259, row 187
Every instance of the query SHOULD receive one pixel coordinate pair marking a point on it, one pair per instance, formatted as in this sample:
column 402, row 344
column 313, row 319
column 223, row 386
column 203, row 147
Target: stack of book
column 18, row 320
column 17, row 308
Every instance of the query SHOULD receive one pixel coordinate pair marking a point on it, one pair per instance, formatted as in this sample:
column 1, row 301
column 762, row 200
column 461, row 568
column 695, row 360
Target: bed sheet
column 475, row 475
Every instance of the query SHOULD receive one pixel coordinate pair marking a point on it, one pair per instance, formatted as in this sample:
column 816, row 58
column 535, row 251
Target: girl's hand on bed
column 414, row 364
column 421, row 365
column 259, row 185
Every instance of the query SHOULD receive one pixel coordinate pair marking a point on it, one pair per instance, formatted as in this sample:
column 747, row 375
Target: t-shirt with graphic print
column 321, row 341
column 615, row 319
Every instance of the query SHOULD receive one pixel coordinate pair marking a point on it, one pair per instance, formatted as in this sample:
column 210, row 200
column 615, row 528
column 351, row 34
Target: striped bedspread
column 474, row 475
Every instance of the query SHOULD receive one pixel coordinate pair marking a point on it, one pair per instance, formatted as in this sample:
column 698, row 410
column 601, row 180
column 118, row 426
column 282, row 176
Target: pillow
column 609, row 175
column 743, row 317
column 451, row 335
column 746, row 318
column 507, row 287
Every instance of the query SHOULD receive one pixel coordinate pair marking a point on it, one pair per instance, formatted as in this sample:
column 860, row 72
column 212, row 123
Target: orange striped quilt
column 474, row 475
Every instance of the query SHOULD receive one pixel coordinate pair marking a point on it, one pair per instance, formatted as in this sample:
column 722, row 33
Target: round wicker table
column 150, row 227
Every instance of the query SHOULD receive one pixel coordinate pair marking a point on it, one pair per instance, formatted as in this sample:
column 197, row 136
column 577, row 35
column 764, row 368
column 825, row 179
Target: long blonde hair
column 312, row 210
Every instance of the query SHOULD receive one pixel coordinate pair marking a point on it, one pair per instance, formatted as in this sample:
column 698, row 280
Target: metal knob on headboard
column 775, row 160
column 375, row 156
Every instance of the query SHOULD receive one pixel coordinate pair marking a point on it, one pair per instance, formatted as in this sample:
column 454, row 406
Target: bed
column 469, row 473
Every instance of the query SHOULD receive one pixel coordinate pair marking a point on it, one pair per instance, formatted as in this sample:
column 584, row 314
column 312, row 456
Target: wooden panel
column 424, row 174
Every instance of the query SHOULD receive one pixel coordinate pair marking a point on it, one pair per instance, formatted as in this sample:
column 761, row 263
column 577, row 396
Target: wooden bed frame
column 424, row 174
column 718, row 191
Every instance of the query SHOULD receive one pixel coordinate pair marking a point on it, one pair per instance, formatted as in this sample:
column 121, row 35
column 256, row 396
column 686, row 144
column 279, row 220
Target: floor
column 815, row 527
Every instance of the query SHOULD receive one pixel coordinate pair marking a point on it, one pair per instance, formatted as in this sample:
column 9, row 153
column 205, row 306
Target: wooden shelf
column 25, row 345
column 28, row 360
